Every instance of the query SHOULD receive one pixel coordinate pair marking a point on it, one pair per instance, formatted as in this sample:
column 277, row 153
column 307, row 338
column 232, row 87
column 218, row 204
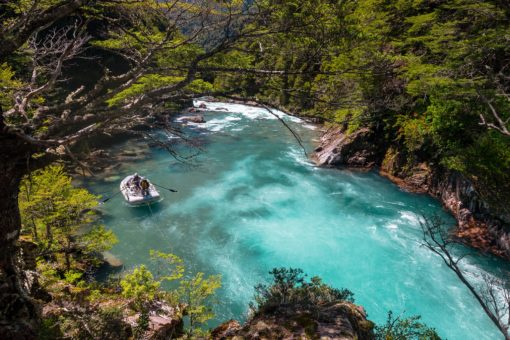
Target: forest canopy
column 430, row 77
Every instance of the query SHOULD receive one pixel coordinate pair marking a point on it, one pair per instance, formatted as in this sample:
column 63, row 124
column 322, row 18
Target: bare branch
column 500, row 125
column 436, row 239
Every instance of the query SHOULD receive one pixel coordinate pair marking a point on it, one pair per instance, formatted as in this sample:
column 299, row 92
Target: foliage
column 409, row 328
column 428, row 76
column 85, row 323
column 8, row 85
column 419, row 73
column 142, row 325
column 98, row 239
column 140, row 286
column 169, row 267
column 194, row 292
column 58, row 216
column 290, row 287
column 197, row 293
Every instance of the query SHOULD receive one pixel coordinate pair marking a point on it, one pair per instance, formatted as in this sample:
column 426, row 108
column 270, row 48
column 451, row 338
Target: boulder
column 337, row 320
column 226, row 330
column 192, row 119
column 112, row 260
column 356, row 149
column 164, row 321
column 162, row 327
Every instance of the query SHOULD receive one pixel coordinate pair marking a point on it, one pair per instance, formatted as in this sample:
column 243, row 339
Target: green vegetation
column 59, row 218
column 430, row 78
column 289, row 287
column 405, row 329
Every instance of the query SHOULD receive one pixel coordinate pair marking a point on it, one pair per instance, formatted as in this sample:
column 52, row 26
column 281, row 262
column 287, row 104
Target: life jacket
column 144, row 184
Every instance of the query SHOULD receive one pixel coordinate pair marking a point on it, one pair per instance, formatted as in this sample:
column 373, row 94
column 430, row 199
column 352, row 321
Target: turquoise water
column 250, row 201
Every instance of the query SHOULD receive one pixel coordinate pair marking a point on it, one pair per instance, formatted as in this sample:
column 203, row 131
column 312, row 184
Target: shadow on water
column 106, row 271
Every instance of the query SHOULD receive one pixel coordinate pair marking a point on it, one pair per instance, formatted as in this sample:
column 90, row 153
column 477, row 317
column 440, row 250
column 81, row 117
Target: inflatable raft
column 135, row 195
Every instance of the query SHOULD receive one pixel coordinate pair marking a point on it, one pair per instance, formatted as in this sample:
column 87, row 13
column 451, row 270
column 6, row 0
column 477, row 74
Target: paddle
column 109, row 198
column 172, row 190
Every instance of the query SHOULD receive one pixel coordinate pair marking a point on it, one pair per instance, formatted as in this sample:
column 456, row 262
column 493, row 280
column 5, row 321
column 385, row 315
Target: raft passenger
column 145, row 187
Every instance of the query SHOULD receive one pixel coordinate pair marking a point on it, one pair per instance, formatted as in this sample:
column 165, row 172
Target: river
column 250, row 200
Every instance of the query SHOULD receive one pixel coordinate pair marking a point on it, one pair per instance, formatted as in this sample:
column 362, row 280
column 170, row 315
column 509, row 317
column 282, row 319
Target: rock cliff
column 359, row 149
column 337, row 320
column 479, row 224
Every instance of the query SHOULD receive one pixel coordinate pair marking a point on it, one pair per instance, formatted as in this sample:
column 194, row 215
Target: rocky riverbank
column 479, row 225
column 337, row 320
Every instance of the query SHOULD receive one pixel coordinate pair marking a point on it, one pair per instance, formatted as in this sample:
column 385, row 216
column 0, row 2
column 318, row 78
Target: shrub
column 290, row 287
column 140, row 286
column 405, row 329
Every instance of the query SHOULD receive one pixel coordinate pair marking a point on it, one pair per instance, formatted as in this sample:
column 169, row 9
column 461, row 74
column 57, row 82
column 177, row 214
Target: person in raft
column 136, row 180
column 145, row 187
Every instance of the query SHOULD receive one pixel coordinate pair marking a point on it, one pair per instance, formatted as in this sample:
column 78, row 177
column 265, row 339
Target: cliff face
column 359, row 149
column 478, row 224
column 337, row 320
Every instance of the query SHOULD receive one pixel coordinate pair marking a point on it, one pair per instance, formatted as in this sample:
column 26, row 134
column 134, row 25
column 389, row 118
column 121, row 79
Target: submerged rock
column 337, row 320
column 113, row 178
column 192, row 119
column 112, row 260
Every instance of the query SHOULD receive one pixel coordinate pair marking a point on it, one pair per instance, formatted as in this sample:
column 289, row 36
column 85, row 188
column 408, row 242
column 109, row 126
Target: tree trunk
column 18, row 312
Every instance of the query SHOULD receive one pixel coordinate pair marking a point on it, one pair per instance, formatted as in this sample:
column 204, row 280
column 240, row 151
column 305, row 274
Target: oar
column 109, row 198
column 172, row 190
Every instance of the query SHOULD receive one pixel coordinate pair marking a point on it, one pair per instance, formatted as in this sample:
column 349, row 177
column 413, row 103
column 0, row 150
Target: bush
column 290, row 287
column 405, row 329
column 140, row 286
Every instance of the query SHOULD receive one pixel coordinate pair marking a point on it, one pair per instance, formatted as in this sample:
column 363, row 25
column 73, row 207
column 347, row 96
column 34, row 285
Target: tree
column 146, row 53
column 140, row 286
column 193, row 293
column 493, row 294
column 59, row 216
column 289, row 287
column 197, row 292
column 409, row 328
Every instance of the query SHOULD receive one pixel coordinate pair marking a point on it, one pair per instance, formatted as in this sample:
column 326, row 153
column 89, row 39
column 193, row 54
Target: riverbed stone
column 112, row 260
column 192, row 119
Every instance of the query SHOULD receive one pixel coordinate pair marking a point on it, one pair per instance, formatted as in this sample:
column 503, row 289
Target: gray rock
column 192, row 119
column 353, row 150
column 112, row 260
column 336, row 320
